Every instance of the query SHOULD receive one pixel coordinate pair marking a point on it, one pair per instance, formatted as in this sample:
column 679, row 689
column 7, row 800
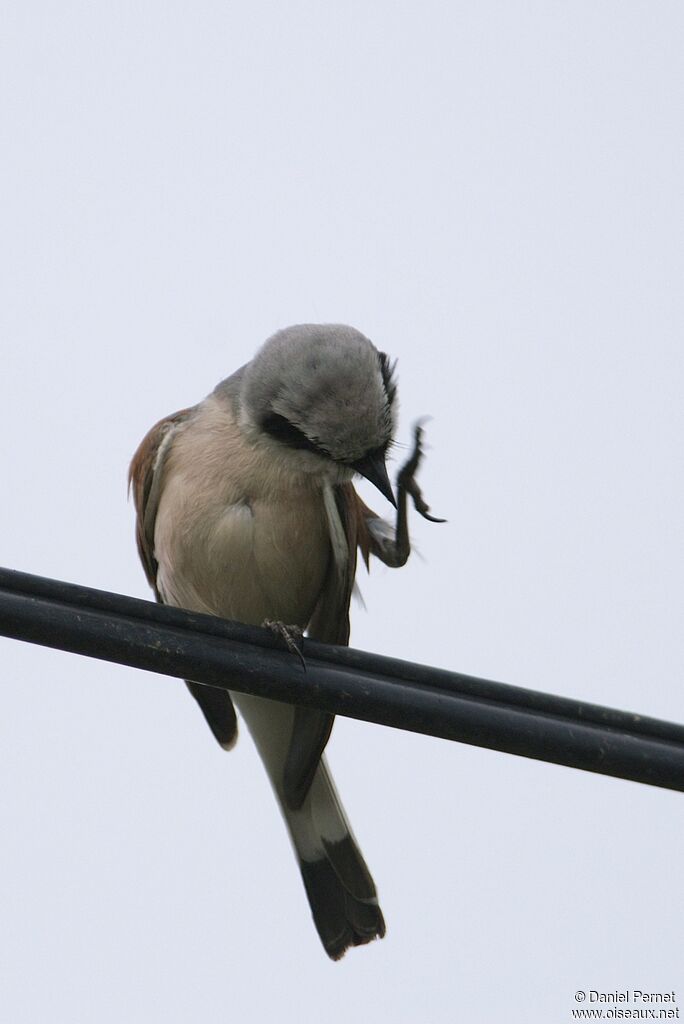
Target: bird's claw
column 406, row 478
column 292, row 636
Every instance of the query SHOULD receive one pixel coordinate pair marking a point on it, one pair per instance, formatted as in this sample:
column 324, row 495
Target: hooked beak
column 373, row 467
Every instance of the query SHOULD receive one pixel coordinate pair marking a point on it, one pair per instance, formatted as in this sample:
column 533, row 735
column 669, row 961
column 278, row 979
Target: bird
column 246, row 509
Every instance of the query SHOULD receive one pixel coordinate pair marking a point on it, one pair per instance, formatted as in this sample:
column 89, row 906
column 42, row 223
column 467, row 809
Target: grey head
column 326, row 392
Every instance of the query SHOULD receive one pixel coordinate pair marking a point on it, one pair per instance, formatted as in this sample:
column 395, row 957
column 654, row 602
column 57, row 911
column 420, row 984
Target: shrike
column 246, row 510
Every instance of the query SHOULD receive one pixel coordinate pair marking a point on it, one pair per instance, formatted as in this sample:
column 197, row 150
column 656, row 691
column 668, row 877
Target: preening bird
column 246, row 510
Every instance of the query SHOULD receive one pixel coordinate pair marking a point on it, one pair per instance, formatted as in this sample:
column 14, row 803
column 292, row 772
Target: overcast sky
column 491, row 191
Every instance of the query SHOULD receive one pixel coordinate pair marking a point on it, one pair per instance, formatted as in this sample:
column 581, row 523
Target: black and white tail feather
column 339, row 886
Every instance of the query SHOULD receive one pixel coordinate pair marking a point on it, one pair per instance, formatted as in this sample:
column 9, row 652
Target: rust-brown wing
column 144, row 481
column 145, row 478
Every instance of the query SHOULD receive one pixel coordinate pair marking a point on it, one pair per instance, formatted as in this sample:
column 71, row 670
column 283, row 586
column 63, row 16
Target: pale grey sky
column 492, row 192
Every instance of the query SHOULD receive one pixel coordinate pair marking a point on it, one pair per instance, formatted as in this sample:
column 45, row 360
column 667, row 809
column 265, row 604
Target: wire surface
column 341, row 680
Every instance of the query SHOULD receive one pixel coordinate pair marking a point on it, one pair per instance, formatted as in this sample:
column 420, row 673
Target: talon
column 406, row 477
column 293, row 637
column 410, row 467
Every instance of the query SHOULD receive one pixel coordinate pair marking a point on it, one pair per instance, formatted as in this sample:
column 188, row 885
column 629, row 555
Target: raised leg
column 394, row 547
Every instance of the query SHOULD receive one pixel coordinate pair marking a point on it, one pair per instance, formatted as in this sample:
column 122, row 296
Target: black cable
column 341, row 680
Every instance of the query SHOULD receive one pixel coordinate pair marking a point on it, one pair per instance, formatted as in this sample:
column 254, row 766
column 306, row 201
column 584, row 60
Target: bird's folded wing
column 329, row 624
column 330, row 620
column 145, row 478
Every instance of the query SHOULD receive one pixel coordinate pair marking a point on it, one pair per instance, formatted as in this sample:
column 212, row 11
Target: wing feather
column 144, row 481
column 145, row 478
column 330, row 624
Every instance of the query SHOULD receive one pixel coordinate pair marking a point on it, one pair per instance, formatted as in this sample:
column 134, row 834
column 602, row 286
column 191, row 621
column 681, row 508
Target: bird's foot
column 293, row 636
column 406, row 478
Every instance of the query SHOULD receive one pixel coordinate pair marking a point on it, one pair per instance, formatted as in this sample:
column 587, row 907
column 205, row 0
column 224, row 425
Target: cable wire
column 341, row 680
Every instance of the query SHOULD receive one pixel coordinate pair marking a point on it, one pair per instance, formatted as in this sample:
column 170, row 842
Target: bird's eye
column 280, row 428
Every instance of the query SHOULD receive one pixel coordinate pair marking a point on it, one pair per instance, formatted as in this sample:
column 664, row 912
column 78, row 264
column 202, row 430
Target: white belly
column 261, row 557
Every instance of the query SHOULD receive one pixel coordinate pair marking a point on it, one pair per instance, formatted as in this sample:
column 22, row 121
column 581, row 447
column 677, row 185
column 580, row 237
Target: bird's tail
column 341, row 891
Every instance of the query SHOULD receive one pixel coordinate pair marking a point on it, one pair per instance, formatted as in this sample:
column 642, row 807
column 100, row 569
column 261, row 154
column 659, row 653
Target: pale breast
column 236, row 534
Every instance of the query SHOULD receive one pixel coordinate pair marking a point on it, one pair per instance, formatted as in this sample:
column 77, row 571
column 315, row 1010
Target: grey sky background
column 493, row 193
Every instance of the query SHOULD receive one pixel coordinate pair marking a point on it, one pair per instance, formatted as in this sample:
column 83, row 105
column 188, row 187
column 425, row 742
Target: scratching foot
column 406, row 478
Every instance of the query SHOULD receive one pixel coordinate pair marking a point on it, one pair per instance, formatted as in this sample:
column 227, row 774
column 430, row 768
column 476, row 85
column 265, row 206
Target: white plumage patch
column 338, row 537
column 381, row 530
